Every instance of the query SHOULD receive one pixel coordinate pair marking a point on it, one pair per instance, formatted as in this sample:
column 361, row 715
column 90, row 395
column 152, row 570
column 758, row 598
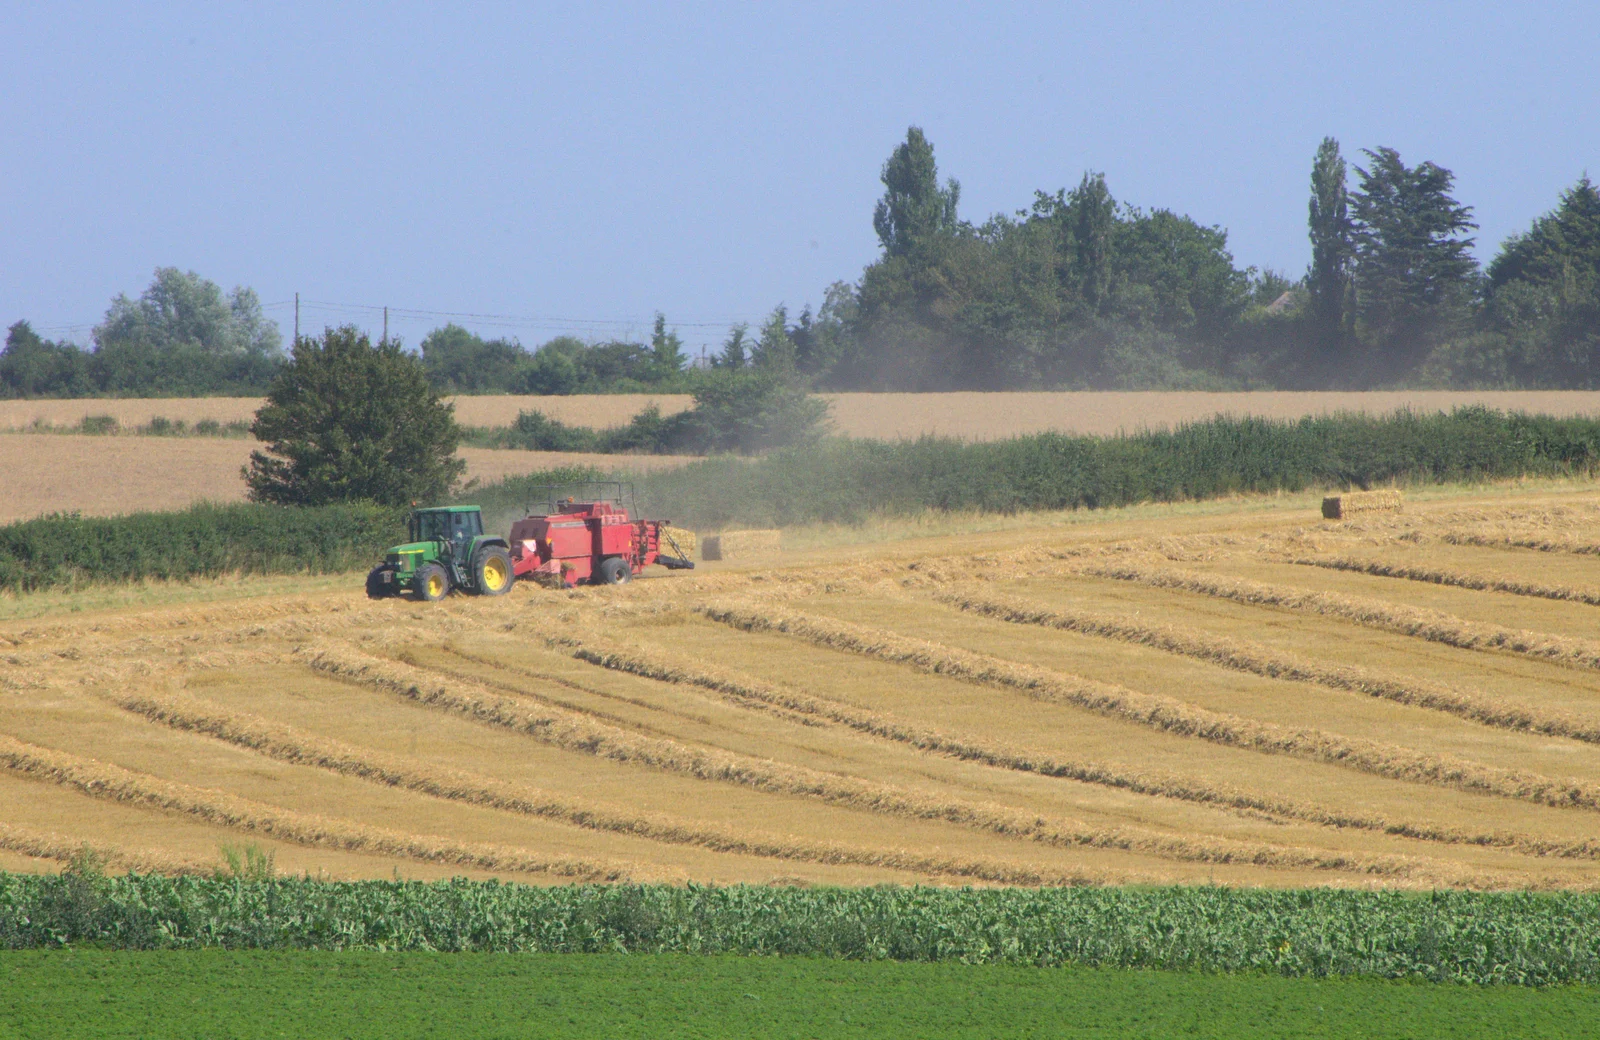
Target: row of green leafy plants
column 842, row 480
column 1519, row 938
column 66, row 549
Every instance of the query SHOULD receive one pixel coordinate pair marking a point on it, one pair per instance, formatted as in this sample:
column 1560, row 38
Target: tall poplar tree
column 1094, row 218
column 1332, row 249
column 913, row 206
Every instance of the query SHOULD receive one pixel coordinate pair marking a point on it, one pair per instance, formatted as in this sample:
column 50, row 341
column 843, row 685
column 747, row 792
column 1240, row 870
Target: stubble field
column 1232, row 693
column 106, row 476
column 973, row 416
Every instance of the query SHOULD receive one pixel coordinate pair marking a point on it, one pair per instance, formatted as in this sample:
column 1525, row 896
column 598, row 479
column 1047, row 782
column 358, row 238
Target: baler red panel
column 569, row 539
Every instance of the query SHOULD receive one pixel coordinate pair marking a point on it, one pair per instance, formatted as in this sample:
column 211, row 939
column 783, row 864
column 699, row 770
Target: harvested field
column 973, row 416
column 104, row 476
column 1243, row 694
column 491, row 410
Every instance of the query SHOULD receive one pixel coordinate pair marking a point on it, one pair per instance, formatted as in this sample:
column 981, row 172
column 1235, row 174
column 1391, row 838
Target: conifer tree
column 1414, row 269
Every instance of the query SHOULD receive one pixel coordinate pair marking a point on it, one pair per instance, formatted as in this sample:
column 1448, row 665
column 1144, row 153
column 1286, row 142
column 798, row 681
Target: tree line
column 1078, row 290
column 182, row 337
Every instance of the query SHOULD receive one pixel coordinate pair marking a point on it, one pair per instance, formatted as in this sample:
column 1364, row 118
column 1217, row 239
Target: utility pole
column 386, row 325
column 297, row 319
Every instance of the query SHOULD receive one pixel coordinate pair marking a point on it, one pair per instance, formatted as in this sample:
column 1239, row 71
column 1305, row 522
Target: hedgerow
column 1521, row 938
column 848, row 480
column 203, row 541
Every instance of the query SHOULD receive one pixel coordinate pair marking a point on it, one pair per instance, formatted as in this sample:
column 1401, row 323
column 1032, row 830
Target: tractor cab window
column 465, row 525
column 431, row 527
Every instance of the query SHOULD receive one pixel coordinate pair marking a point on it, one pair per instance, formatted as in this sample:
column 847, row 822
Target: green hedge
column 1521, row 938
column 849, row 480
column 206, row 540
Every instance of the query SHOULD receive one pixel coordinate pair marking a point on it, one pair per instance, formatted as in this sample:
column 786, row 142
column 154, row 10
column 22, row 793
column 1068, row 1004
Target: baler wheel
column 491, row 571
column 614, row 570
column 431, row 583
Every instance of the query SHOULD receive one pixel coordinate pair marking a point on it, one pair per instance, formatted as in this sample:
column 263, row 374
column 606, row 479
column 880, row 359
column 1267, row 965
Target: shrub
column 347, row 421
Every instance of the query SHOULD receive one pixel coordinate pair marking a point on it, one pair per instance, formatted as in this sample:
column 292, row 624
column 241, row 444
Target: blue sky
column 574, row 168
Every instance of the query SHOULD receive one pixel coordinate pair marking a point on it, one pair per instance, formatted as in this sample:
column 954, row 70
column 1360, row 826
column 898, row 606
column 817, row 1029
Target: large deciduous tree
column 183, row 309
column 346, row 420
column 1414, row 271
column 32, row 366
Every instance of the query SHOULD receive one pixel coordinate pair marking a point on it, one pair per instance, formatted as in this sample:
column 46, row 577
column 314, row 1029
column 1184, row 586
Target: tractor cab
column 446, row 549
column 453, row 528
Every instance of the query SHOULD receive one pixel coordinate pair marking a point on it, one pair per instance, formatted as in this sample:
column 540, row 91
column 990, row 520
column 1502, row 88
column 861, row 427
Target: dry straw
column 565, row 730
column 288, row 744
column 52, row 846
column 1417, row 622
column 744, row 690
column 1437, row 576
column 1354, row 503
column 116, row 784
column 1170, row 715
column 1539, row 542
column 1256, row 659
column 681, row 538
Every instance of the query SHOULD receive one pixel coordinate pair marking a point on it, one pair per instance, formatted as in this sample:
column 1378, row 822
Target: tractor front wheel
column 491, row 571
column 431, row 583
column 377, row 588
column 614, row 570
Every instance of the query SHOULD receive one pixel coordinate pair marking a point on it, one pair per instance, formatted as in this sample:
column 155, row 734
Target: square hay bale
column 739, row 545
column 1342, row 507
column 685, row 539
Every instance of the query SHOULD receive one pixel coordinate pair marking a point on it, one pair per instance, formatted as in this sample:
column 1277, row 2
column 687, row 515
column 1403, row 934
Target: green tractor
column 447, row 549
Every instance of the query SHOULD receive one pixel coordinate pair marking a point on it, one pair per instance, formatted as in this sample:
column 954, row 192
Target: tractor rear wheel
column 491, row 571
column 431, row 583
column 614, row 570
column 377, row 588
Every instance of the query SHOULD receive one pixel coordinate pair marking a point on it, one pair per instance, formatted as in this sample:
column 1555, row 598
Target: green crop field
column 216, row 993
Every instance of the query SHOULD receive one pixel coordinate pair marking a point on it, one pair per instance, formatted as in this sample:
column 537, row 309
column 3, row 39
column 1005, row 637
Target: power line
column 512, row 320
column 507, row 321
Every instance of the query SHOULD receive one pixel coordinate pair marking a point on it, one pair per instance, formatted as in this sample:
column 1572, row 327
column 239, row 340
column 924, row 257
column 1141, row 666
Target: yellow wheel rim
column 435, row 585
column 494, row 574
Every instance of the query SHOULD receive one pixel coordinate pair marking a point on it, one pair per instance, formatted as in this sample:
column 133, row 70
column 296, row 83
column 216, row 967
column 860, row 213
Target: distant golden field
column 975, row 416
column 1238, row 693
column 104, row 476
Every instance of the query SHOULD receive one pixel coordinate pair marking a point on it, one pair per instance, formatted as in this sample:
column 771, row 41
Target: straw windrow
column 288, row 744
column 114, row 783
column 1256, row 659
column 1438, row 576
column 1170, row 715
column 1417, row 622
column 562, row 729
